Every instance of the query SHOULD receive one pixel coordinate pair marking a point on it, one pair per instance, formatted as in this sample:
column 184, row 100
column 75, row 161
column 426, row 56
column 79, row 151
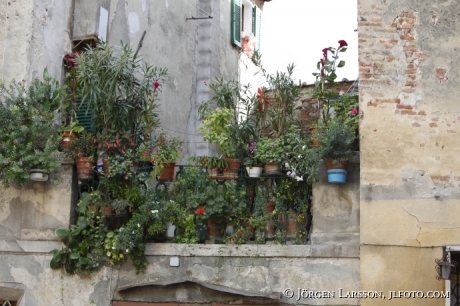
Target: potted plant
column 165, row 153
column 335, row 149
column 213, row 165
column 301, row 159
column 69, row 133
column 216, row 129
column 254, row 166
column 83, row 149
column 118, row 89
column 120, row 206
column 271, row 152
column 28, row 138
column 144, row 157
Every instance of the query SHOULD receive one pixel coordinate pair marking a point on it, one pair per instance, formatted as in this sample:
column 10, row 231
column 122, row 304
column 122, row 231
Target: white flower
column 127, row 251
column 113, row 248
column 300, row 156
column 299, row 178
column 138, row 225
column 286, row 165
column 303, row 147
column 133, row 232
column 155, row 211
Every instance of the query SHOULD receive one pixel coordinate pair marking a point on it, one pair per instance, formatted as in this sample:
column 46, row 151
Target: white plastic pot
column 38, row 175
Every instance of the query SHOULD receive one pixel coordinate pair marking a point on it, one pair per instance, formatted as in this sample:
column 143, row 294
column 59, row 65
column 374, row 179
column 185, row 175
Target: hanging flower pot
column 85, row 166
column 38, row 175
column 254, row 171
column 168, row 172
column 337, row 172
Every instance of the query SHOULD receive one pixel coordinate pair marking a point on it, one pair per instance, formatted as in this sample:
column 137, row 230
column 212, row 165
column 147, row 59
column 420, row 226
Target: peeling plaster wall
column 410, row 177
column 214, row 273
column 33, row 35
column 34, row 211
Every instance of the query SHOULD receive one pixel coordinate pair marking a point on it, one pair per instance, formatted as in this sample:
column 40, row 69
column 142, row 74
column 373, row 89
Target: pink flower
column 354, row 111
column 325, row 52
column 342, row 43
column 145, row 153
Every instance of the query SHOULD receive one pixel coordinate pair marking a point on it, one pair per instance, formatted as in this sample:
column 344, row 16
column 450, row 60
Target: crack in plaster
column 418, row 221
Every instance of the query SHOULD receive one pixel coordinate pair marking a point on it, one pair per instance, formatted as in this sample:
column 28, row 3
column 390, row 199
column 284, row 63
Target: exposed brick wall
column 307, row 107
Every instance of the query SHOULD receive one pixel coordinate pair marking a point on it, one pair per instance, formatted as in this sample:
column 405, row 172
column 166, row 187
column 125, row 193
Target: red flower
column 354, row 111
column 156, row 85
column 342, row 43
column 145, row 153
column 200, row 211
column 325, row 52
column 263, row 100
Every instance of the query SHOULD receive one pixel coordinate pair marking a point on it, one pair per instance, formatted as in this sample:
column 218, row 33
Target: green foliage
column 188, row 226
column 120, row 88
column 46, row 94
column 28, row 137
column 83, row 146
column 270, row 150
column 346, row 109
column 284, row 92
column 325, row 79
column 231, row 119
column 216, row 129
column 121, row 165
column 300, row 159
column 120, row 204
column 84, row 250
column 336, row 142
column 167, row 149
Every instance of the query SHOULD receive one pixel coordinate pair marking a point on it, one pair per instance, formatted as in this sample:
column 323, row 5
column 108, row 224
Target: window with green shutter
column 257, row 24
column 236, row 22
column 247, row 19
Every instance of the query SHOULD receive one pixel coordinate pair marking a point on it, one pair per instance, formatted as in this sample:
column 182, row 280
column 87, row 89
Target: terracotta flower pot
column 67, row 137
column 85, row 166
column 106, row 210
column 168, row 172
column 215, row 230
column 233, row 167
column 271, row 167
column 289, row 221
column 106, row 166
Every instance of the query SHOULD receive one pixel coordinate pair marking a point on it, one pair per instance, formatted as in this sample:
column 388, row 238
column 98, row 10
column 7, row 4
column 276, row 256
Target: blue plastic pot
column 337, row 176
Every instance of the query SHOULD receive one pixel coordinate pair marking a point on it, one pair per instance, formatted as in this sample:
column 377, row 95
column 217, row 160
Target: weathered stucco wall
column 34, row 211
column 410, row 182
column 206, row 274
column 33, row 35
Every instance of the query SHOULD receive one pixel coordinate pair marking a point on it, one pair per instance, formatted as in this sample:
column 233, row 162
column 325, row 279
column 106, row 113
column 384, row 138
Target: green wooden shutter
column 236, row 22
column 257, row 24
column 83, row 116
